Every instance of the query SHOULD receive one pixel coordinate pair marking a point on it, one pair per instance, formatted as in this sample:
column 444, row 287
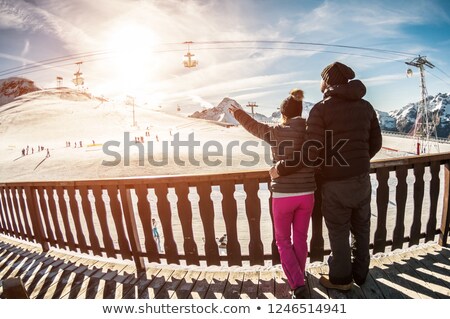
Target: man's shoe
column 325, row 281
column 300, row 293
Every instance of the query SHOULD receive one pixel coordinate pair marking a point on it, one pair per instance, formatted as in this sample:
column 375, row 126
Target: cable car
column 78, row 79
column 409, row 73
column 189, row 61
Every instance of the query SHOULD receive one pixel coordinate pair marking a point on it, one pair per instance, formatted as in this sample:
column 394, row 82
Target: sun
column 132, row 48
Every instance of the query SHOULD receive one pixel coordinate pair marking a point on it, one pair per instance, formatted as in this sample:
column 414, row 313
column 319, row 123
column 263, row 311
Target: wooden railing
column 113, row 217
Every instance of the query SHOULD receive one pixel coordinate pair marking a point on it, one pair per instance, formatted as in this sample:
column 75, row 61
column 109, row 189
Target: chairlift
column 78, row 79
column 189, row 61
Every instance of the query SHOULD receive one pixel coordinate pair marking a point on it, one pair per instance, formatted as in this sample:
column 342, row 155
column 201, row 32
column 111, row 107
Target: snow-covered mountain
column 262, row 118
column 13, row 87
column 219, row 113
column 405, row 117
column 307, row 106
column 387, row 122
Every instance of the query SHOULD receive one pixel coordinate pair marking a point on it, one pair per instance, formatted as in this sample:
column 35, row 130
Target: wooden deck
column 421, row 272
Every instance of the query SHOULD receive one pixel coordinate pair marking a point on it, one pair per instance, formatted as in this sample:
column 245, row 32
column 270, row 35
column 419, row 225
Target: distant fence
column 113, row 217
column 406, row 135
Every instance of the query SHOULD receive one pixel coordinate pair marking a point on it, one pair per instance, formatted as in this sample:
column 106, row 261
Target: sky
column 248, row 50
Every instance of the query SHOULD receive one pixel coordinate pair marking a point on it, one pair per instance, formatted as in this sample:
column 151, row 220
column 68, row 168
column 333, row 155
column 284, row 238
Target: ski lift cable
column 29, row 69
column 50, row 61
column 71, row 63
column 437, row 77
column 74, row 57
column 304, row 50
column 406, row 54
column 442, row 71
column 81, row 55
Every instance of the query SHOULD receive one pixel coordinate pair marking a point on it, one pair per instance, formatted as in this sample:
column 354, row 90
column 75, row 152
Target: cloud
column 245, row 70
column 15, row 58
column 384, row 79
column 23, row 16
column 339, row 20
column 26, row 48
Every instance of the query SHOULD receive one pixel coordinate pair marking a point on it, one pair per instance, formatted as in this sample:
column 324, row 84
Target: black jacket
column 347, row 128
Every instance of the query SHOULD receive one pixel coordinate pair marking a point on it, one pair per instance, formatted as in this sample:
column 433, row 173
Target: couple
column 342, row 171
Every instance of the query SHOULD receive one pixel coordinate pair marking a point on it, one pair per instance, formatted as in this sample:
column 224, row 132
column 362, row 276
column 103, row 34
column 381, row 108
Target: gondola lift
column 189, row 61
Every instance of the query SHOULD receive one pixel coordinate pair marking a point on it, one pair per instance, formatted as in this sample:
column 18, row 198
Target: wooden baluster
column 2, row 219
column 17, row 213
column 116, row 211
column 419, row 185
column 6, row 220
column 44, row 212
column 184, row 208
column 65, row 217
column 76, row 219
column 445, row 221
column 23, row 209
column 382, row 205
column 207, row 216
column 11, row 213
column 35, row 216
column 133, row 235
column 253, row 210
column 165, row 216
column 316, row 247
column 435, row 168
column 401, row 194
column 88, row 216
column 275, row 253
column 146, row 220
column 54, row 215
column 3, row 211
column 101, row 213
column 230, row 215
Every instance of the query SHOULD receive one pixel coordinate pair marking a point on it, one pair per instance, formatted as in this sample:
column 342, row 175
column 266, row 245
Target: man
column 344, row 134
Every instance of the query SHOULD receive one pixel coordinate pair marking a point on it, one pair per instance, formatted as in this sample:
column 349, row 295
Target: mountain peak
column 13, row 87
column 403, row 119
column 219, row 113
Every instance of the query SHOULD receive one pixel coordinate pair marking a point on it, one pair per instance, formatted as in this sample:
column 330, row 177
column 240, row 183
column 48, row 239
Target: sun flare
column 132, row 50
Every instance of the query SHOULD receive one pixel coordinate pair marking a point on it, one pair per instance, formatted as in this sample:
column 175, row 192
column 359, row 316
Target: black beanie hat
column 290, row 107
column 337, row 73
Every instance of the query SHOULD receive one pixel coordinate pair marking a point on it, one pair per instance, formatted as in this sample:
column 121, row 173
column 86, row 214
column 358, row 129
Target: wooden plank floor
column 421, row 272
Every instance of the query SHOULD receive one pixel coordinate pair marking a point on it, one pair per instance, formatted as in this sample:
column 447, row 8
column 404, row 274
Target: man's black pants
column 346, row 208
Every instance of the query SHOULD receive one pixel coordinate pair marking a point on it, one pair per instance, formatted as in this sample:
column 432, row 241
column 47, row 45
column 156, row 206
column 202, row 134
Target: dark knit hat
column 337, row 73
column 290, row 107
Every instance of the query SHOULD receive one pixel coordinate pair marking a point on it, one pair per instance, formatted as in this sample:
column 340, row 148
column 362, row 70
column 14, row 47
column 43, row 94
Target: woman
column 293, row 195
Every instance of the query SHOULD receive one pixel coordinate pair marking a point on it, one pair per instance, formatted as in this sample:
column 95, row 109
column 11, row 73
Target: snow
column 387, row 122
column 219, row 113
column 50, row 118
column 53, row 117
column 439, row 106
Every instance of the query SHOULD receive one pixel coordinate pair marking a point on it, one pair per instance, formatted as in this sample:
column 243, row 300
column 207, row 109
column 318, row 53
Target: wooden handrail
column 112, row 217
